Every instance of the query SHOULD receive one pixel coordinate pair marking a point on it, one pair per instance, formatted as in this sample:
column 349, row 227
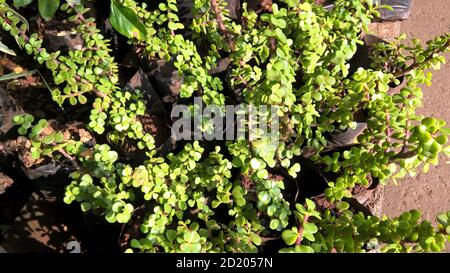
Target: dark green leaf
column 47, row 8
column 21, row 3
column 125, row 21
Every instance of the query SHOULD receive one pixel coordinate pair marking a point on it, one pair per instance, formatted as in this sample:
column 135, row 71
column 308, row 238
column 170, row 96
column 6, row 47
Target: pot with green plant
column 224, row 195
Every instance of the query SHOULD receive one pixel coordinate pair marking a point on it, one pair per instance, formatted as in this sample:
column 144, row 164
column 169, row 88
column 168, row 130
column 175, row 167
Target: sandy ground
column 430, row 192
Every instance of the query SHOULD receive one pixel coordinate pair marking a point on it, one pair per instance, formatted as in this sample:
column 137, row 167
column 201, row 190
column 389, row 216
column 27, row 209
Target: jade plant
column 239, row 195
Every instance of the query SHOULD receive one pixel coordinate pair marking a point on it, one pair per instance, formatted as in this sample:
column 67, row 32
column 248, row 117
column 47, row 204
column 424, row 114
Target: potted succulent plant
column 342, row 123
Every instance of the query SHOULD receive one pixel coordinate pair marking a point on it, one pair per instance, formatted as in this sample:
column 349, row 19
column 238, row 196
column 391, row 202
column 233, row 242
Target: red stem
column 301, row 230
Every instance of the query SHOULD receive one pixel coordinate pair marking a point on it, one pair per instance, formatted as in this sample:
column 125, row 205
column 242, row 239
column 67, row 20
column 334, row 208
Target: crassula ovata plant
column 241, row 194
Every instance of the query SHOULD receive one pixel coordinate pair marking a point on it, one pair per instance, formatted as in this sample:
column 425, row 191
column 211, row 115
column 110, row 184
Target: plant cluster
column 295, row 55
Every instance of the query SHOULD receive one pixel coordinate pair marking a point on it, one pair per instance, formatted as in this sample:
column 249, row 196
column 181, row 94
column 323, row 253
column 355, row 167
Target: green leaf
column 388, row 7
column 12, row 76
column 85, row 206
column 135, row 243
column 82, row 99
column 129, row 209
column 5, row 49
column 310, row 227
column 18, row 119
column 304, row 249
column 175, row 26
column 47, row 8
column 273, row 75
column 87, row 179
column 342, row 205
column 162, row 6
column 191, row 203
column 35, row 155
column 73, row 101
column 289, row 236
column 443, row 219
column 21, row 3
column 190, row 248
column 21, row 18
column 36, row 130
column 255, row 163
column 274, row 224
column 22, row 131
column 308, row 236
column 110, row 217
column 43, row 123
column 255, row 239
column 191, row 237
column 48, row 139
column 117, row 207
column 310, row 204
column 264, row 197
column 58, row 137
column 295, row 168
column 171, row 235
column 125, row 21
column 442, row 139
column 281, row 23
column 262, row 174
column 215, row 203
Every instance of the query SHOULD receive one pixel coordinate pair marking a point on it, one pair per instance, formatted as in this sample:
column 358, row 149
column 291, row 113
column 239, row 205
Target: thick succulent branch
column 221, row 25
column 417, row 64
column 301, row 229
